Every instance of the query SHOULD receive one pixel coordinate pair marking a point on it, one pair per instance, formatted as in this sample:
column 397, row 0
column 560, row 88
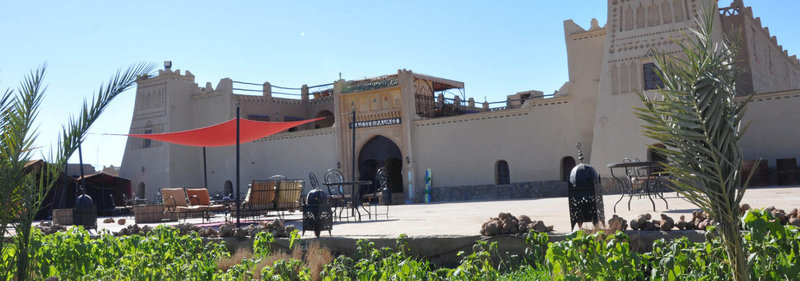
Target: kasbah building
column 406, row 123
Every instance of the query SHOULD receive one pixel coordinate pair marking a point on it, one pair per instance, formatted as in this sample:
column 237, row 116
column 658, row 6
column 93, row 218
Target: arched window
column 140, row 191
column 228, row 188
column 501, row 175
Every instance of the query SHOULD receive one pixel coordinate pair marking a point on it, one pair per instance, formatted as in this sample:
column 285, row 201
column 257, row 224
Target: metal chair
column 312, row 178
column 381, row 185
column 337, row 196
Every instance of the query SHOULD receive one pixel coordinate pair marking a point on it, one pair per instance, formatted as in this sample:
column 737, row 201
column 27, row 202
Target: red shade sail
column 224, row 134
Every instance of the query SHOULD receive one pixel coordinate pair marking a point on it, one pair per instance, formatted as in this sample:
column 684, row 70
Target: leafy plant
column 594, row 256
column 698, row 120
column 24, row 189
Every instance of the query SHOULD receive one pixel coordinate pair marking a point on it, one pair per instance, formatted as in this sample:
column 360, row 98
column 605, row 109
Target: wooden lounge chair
column 288, row 195
column 260, row 197
column 200, row 197
column 176, row 202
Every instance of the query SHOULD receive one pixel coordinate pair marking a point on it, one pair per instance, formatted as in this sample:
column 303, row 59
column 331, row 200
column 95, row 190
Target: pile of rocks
column 645, row 222
column 700, row 221
column 791, row 218
column 50, row 228
column 506, row 223
column 133, row 229
column 276, row 227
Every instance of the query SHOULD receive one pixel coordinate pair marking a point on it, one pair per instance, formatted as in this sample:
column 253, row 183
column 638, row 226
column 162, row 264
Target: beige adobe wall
column 463, row 150
column 631, row 33
column 148, row 166
column 767, row 67
column 585, row 59
column 772, row 131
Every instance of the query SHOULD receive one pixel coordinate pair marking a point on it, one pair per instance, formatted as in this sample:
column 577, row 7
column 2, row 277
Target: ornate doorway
column 379, row 152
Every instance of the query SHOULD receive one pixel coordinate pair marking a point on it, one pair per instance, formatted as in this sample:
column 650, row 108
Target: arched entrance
column 379, row 152
column 567, row 163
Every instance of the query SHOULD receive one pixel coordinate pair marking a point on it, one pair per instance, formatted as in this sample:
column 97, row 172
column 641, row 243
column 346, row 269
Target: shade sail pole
column 205, row 170
column 238, row 211
column 353, row 153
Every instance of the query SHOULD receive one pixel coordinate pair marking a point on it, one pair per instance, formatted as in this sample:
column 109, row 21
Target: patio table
column 649, row 166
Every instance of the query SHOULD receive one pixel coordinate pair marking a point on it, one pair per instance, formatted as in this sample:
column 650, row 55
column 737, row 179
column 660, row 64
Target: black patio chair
column 375, row 196
column 336, row 192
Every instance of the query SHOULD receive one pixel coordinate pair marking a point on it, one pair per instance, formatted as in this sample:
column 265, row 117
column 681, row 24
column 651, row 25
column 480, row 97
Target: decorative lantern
column 84, row 213
column 585, row 194
column 317, row 213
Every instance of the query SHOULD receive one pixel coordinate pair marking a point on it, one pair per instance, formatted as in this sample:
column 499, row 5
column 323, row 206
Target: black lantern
column 84, row 213
column 317, row 214
column 585, row 194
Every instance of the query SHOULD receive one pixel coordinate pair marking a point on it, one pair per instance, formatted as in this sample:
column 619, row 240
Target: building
column 411, row 122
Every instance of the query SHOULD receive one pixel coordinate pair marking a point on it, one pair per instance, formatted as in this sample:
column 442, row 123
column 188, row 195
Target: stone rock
column 240, row 233
column 226, row 230
column 121, row 221
column 146, row 229
column 792, row 213
column 682, row 224
column 253, row 229
column 207, row 232
column 780, row 216
column 523, row 219
column 509, row 224
column 795, row 221
column 666, row 223
column 108, row 220
column 743, row 208
column 635, row 224
column 617, row 223
column 491, row 227
column 539, row 226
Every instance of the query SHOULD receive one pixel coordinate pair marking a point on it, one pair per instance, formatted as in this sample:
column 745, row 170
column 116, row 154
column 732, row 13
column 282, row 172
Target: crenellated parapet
column 737, row 8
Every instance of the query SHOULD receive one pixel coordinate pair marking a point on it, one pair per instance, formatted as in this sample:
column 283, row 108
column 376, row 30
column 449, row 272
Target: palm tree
column 23, row 192
column 697, row 118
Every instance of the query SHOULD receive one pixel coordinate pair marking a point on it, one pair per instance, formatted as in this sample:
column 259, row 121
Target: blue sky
column 495, row 49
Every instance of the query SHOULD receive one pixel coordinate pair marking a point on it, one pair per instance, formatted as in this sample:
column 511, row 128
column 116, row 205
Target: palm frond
column 697, row 119
column 25, row 190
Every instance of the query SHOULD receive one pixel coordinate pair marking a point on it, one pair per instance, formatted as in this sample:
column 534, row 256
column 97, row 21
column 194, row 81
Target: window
column 139, row 192
column 651, row 79
column 502, row 175
column 147, row 142
column 228, row 188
